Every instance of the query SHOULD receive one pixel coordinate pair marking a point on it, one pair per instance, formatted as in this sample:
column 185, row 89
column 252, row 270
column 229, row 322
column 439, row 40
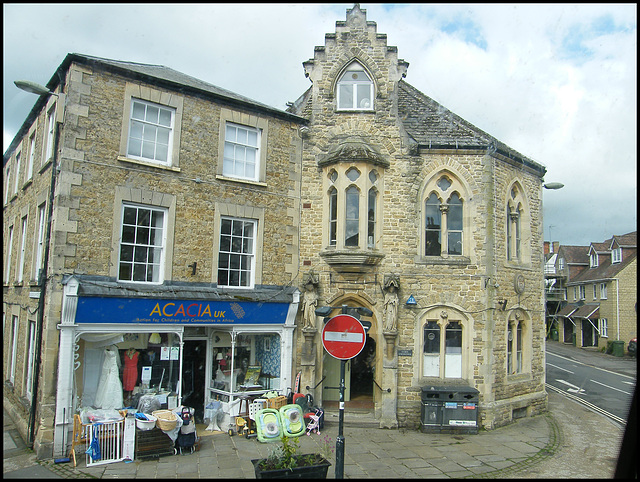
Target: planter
column 316, row 471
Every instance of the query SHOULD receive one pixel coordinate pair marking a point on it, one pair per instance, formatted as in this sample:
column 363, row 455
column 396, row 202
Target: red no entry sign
column 343, row 337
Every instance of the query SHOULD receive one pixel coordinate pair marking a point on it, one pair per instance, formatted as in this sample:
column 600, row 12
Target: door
column 193, row 376
column 331, row 370
column 362, row 372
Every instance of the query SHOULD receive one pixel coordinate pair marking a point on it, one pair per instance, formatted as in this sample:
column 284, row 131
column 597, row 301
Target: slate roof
column 430, row 125
column 154, row 74
column 605, row 269
column 574, row 254
column 93, row 285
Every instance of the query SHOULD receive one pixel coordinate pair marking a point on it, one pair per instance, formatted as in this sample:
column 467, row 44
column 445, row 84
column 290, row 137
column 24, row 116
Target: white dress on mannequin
column 109, row 393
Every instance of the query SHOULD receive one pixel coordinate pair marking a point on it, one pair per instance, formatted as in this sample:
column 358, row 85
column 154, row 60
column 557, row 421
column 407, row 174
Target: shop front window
column 117, row 370
column 251, row 364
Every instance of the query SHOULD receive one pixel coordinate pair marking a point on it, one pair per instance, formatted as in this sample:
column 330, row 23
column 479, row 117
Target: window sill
column 345, row 110
column 45, row 165
column 148, row 164
column 349, row 261
column 519, row 377
column 439, row 260
column 242, row 181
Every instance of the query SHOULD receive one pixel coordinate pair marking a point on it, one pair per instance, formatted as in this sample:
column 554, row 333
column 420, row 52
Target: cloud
column 556, row 82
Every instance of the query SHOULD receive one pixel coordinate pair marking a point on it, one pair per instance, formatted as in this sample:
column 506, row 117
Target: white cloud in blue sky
column 557, row 82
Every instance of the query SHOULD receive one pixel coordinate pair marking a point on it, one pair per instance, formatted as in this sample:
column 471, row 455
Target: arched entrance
column 359, row 374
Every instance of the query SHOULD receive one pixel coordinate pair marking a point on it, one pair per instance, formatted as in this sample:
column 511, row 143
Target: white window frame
column 50, row 134
column 149, row 127
column 16, row 183
column 359, row 89
column 236, row 146
column 32, row 156
column 616, row 255
column 157, row 265
column 245, row 256
column 582, row 293
column 593, row 260
column 448, row 363
column 7, row 183
column 165, row 100
column 604, row 327
column 228, row 116
column 595, row 291
column 23, row 248
column 15, row 326
column 603, row 291
column 39, row 244
column 7, row 273
column 31, row 347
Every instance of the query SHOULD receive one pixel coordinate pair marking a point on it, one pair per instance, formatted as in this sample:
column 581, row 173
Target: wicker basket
column 167, row 420
column 276, row 402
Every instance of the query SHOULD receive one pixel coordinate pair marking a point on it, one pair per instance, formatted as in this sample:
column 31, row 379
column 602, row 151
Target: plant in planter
column 284, row 462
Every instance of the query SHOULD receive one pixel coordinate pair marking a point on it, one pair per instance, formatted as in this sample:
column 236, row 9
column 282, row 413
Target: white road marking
column 612, row 388
column 560, row 368
column 573, row 388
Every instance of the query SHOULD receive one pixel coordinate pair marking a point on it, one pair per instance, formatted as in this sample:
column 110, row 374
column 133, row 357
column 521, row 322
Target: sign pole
column 344, row 337
column 340, row 439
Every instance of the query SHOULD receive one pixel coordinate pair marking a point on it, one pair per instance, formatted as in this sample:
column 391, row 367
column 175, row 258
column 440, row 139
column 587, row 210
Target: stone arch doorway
column 360, row 371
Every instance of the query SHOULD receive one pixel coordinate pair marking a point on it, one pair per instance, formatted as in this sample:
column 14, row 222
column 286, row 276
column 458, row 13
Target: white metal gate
column 109, row 437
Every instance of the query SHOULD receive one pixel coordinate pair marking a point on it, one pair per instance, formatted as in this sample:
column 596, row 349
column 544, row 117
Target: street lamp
column 552, row 186
column 33, row 87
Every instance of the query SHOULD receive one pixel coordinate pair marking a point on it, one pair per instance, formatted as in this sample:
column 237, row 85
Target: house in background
column 599, row 292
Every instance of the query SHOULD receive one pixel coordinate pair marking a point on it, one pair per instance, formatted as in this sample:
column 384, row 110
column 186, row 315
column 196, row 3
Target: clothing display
column 130, row 375
column 109, row 393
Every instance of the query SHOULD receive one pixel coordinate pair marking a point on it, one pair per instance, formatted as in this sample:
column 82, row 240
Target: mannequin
column 109, row 393
column 130, row 375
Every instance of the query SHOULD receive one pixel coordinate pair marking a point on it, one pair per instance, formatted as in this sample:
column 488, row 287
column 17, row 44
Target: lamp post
column 552, row 186
column 34, row 88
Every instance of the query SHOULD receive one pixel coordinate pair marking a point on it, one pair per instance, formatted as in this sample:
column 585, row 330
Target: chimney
column 546, row 247
column 555, row 246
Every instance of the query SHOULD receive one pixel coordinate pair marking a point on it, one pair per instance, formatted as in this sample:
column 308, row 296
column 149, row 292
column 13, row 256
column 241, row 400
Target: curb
column 556, row 438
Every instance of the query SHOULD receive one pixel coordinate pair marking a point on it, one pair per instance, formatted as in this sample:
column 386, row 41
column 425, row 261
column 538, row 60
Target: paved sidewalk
column 567, row 441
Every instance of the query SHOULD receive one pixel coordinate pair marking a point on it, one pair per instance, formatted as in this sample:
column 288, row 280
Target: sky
column 556, row 82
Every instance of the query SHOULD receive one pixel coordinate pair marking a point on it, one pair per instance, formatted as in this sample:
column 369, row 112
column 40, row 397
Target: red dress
column 130, row 375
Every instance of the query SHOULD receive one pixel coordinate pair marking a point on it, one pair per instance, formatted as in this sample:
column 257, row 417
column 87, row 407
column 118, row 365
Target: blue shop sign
column 143, row 310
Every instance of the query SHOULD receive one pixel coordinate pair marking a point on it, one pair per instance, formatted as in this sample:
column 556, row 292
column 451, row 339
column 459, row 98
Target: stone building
column 163, row 213
column 409, row 208
column 186, row 236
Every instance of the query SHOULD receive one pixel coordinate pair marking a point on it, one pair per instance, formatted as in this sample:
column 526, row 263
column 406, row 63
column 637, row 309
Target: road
column 602, row 383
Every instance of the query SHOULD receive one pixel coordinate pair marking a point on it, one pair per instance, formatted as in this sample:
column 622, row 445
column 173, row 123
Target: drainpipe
column 43, row 275
column 618, row 306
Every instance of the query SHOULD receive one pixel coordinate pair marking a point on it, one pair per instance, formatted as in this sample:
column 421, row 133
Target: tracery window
column 442, row 346
column 353, row 207
column 517, row 225
column 443, row 217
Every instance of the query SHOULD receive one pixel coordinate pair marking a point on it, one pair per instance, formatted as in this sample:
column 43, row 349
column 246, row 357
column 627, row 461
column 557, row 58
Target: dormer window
column 616, row 255
column 355, row 89
column 593, row 260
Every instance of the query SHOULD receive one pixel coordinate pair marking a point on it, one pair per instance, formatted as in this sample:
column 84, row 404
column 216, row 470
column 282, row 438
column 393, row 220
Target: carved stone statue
column 390, row 309
column 309, row 305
